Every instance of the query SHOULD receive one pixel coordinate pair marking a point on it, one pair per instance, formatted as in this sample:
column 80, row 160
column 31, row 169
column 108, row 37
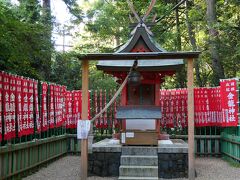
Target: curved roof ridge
column 141, row 32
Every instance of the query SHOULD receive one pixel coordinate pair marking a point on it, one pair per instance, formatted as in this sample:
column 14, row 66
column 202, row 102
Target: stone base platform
column 105, row 158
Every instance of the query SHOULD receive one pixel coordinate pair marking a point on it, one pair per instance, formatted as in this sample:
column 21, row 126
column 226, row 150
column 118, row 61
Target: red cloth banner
column 162, row 106
column 19, row 102
column 116, row 123
column 30, row 105
column 58, row 106
column 97, row 123
column 51, row 107
column 111, row 110
column 207, row 104
column 25, row 108
column 76, row 107
column 69, row 112
column 44, row 106
column 178, row 108
column 36, row 105
column 1, row 103
column 173, row 105
column 169, row 110
column 219, row 106
column 229, row 101
column 198, row 107
column 105, row 123
column 100, row 108
column 9, row 125
column 185, row 108
column 215, row 106
column 89, row 105
column 63, row 104
column 13, row 105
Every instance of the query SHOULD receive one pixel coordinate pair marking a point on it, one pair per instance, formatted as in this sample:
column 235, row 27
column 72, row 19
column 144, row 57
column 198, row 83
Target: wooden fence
column 17, row 160
column 230, row 145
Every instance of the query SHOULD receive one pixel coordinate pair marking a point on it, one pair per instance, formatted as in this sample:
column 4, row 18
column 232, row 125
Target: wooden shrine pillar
column 191, row 156
column 84, row 142
column 123, row 102
column 157, row 103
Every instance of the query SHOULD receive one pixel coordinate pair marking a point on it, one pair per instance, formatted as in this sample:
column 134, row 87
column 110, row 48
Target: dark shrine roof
column 154, row 58
column 141, row 36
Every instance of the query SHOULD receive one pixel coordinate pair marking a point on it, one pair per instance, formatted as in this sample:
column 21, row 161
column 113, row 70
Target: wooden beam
column 191, row 166
column 84, row 142
column 134, row 55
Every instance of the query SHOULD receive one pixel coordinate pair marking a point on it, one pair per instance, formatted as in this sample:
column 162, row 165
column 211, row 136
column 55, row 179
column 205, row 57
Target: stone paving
column 68, row 168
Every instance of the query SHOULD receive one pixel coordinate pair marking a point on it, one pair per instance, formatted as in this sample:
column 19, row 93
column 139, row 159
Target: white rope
column 116, row 94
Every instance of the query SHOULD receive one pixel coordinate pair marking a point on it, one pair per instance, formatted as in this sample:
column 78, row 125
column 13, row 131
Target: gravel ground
column 68, row 168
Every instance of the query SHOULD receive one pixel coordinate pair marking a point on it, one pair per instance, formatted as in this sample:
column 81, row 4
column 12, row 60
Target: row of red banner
column 52, row 106
column 108, row 118
column 22, row 112
column 173, row 105
column 212, row 106
column 21, row 109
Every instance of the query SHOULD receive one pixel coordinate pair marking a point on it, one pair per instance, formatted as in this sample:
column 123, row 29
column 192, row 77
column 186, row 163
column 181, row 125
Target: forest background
column 209, row 26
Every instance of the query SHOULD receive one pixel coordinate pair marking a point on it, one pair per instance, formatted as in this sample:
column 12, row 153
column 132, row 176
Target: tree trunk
column 178, row 40
column 47, row 12
column 218, row 71
column 192, row 39
column 182, row 72
column 47, row 21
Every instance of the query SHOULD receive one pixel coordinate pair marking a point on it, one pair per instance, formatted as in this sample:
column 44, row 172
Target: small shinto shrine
column 138, row 151
column 140, row 108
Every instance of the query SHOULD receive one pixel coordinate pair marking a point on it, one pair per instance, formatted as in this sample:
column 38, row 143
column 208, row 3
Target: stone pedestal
column 171, row 158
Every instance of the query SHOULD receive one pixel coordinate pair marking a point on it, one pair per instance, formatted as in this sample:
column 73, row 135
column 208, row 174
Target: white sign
column 83, row 128
column 130, row 134
column 123, row 138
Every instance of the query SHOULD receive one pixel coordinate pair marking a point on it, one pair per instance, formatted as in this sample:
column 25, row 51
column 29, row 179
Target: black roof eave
column 138, row 56
column 148, row 68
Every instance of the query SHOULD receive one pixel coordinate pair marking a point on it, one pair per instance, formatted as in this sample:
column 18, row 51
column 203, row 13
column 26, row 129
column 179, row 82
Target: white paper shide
column 83, row 128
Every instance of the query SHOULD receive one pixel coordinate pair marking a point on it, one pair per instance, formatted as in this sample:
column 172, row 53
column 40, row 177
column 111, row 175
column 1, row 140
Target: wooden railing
column 205, row 145
column 16, row 160
column 231, row 143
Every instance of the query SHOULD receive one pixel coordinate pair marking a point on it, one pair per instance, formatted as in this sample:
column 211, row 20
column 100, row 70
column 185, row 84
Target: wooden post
column 124, row 103
column 157, row 103
column 1, row 164
column 84, row 142
column 191, row 167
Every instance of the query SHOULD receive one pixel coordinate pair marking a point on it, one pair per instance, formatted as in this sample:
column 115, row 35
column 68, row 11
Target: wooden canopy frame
column 189, row 56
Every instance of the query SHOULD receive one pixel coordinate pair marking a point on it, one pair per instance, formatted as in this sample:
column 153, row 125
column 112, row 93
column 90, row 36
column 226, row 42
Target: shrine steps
column 139, row 150
column 138, row 163
column 138, row 178
column 139, row 160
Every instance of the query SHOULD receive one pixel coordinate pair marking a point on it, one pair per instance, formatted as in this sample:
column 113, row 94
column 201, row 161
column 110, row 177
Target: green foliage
column 74, row 10
column 106, row 27
column 99, row 80
column 66, row 70
column 24, row 46
column 108, row 21
column 231, row 162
